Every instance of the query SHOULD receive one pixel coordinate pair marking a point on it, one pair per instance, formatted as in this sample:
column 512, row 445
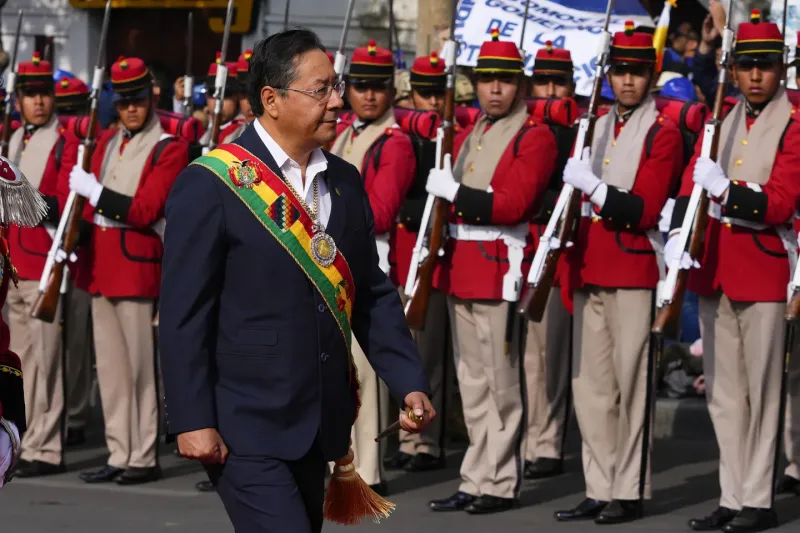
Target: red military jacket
column 748, row 265
column 474, row 270
column 29, row 246
column 611, row 248
column 126, row 262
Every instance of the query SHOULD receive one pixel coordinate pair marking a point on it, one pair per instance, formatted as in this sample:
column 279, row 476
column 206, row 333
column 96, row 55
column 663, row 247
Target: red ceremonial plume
column 549, row 46
column 372, row 48
column 755, row 16
column 629, row 27
column 495, row 34
column 434, row 59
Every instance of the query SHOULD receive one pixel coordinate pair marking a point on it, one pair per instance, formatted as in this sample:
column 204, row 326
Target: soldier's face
column 36, row 108
column 552, row 86
column 229, row 107
column 630, row 83
column 497, row 93
column 370, row 100
column 428, row 100
column 758, row 81
column 133, row 112
column 246, row 109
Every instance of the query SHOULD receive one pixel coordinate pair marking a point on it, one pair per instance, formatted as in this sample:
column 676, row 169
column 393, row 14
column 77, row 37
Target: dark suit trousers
column 268, row 495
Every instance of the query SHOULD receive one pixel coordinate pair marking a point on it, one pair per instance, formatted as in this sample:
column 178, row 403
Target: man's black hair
column 273, row 62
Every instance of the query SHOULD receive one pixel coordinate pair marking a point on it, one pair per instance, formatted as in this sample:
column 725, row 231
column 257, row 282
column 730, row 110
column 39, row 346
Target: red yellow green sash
column 279, row 210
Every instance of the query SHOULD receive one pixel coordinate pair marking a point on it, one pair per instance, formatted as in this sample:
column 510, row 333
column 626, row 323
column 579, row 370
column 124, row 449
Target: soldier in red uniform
column 635, row 159
column 231, row 116
column 72, row 99
column 376, row 146
column 553, row 73
column 743, row 275
column 40, row 150
column 547, row 345
column 502, row 167
column 422, row 451
column 28, row 210
column 136, row 166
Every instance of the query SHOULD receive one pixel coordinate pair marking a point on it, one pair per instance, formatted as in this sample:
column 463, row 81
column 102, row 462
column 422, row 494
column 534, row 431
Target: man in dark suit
column 269, row 264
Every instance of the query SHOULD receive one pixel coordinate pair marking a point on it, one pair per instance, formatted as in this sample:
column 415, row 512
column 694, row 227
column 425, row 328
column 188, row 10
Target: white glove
column 578, row 173
column 672, row 253
column 85, row 184
column 7, row 450
column 710, row 176
column 441, row 182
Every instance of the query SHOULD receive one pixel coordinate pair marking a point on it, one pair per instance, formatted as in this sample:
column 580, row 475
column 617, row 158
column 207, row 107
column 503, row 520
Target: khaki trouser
column 434, row 346
column 78, row 369
column 610, row 340
column 547, row 358
column 742, row 363
column 491, row 395
column 371, row 420
column 126, row 376
column 791, row 434
column 38, row 345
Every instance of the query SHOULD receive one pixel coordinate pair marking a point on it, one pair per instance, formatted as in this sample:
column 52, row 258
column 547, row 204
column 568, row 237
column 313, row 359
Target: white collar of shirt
column 317, row 164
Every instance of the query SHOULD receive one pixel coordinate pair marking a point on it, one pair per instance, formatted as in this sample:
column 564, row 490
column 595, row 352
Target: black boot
column 588, row 509
column 424, row 462
column 788, row 485
column 456, row 502
column 205, row 486
column 138, row 476
column 490, row 504
column 543, row 467
column 39, row 469
column 716, row 520
column 397, row 460
column 752, row 520
column 105, row 475
column 619, row 512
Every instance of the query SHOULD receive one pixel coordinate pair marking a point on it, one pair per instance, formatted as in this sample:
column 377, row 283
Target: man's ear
column 270, row 99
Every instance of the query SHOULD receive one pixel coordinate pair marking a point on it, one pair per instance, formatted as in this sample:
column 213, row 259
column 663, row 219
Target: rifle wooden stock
column 535, row 301
column 793, row 307
column 417, row 305
column 47, row 303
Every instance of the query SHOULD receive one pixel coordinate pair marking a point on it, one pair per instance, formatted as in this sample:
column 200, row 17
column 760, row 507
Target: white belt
column 104, row 222
column 514, row 237
column 382, row 244
column 653, row 235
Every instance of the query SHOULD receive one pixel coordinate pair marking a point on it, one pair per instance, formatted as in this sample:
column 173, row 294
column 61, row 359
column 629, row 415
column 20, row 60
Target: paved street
column 685, row 481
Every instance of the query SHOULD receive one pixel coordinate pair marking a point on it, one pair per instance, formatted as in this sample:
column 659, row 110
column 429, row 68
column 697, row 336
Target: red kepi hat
column 130, row 79
column 632, row 47
column 428, row 73
column 35, row 74
column 243, row 66
column 499, row 56
column 232, row 86
column 71, row 92
column 371, row 63
column 758, row 41
column 551, row 61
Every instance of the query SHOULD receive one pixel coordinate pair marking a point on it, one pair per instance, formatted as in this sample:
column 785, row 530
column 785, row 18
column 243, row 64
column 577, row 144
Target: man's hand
column 441, row 182
column 420, row 406
column 85, row 184
column 710, row 176
column 205, row 445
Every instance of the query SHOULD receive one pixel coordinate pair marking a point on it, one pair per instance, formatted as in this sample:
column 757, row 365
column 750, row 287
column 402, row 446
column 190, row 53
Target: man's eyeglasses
column 323, row 94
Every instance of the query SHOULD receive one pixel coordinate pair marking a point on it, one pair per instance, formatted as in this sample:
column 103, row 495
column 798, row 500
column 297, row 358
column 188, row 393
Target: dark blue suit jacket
column 247, row 344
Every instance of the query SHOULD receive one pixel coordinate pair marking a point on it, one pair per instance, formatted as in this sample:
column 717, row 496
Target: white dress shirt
column 317, row 164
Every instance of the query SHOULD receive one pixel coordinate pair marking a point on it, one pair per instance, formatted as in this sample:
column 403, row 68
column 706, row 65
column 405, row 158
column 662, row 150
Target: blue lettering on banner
column 464, row 10
column 508, row 29
column 494, row 23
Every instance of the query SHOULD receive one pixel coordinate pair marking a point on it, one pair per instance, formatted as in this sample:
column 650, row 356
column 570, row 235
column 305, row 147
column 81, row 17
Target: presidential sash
column 283, row 215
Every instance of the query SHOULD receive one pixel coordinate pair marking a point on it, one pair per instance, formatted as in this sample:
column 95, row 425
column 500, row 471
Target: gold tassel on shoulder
column 349, row 499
